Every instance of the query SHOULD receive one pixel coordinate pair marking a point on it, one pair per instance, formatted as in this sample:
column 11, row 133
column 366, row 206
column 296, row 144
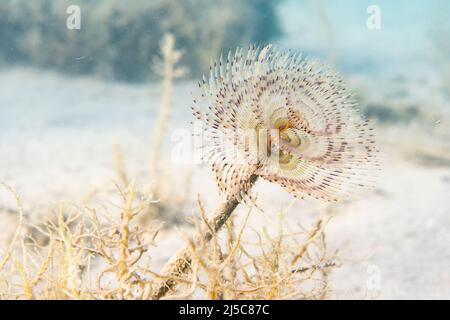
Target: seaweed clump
column 118, row 38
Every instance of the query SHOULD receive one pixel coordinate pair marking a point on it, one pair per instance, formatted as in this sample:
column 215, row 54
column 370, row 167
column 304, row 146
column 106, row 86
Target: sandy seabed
column 57, row 144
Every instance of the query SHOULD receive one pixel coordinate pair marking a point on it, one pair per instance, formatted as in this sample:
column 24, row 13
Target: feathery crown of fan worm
column 286, row 119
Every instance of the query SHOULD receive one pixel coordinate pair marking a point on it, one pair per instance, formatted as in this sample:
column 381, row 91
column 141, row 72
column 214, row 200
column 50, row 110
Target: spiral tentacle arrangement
column 286, row 119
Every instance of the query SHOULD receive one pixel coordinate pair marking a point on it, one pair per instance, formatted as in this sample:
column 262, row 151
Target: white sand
column 57, row 138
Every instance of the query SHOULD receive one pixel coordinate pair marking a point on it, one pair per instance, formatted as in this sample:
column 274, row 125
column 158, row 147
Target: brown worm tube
column 179, row 264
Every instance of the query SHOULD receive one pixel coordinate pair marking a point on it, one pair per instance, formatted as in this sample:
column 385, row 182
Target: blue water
column 408, row 37
column 412, row 44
